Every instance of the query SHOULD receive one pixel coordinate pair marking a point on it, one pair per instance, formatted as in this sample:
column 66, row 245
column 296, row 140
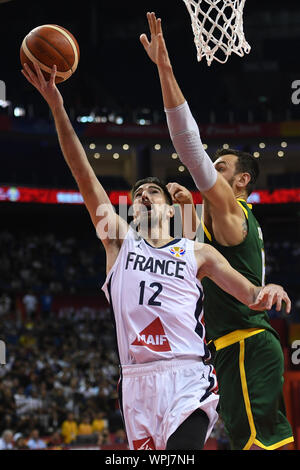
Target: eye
column 220, row 168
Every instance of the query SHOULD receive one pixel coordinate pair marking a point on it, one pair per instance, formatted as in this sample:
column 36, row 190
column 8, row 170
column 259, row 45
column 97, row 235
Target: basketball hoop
column 218, row 28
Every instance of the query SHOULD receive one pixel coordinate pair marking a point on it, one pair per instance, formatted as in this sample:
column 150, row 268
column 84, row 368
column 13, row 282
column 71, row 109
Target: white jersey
column 156, row 301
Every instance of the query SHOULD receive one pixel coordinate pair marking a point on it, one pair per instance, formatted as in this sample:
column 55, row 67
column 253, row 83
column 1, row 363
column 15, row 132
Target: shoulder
column 203, row 248
column 205, row 253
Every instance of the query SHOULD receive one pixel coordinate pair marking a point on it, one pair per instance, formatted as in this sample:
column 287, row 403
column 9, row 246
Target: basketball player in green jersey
column 248, row 356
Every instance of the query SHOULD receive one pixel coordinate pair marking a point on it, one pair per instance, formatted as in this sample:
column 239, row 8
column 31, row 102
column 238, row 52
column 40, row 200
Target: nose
column 145, row 196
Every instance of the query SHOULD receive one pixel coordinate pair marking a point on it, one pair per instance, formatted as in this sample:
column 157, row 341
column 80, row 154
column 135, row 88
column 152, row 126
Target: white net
column 218, row 28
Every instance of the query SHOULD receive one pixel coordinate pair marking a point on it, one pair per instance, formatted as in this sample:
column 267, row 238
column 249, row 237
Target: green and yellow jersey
column 224, row 313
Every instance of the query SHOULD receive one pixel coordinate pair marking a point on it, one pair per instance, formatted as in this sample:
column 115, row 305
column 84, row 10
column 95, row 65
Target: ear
column 243, row 180
column 171, row 211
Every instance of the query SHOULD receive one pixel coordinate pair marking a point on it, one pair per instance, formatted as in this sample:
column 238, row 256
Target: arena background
column 55, row 321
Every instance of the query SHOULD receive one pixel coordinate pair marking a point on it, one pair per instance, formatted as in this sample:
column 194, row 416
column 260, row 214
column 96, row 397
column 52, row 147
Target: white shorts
column 157, row 397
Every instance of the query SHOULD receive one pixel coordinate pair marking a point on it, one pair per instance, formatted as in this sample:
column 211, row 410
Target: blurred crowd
column 61, row 368
column 49, row 264
column 282, row 267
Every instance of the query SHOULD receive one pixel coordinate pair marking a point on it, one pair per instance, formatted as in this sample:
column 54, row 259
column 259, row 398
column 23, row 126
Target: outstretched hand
column 156, row 48
column 268, row 296
column 46, row 88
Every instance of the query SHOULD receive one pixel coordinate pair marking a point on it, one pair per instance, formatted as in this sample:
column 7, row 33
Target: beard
column 231, row 181
column 149, row 221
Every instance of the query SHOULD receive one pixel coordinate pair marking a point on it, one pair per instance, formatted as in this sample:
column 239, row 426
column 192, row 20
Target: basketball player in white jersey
column 167, row 392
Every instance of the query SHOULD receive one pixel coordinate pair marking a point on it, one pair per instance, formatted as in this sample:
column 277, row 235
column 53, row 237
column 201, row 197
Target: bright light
column 116, row 156
column 143, row 122
column 225, row 146
column 262, row 145
column 256, row 154
column 18, row 112
column 92, row 146
column 119, row 120
column 205, row 146
column 4, row 103
column 90, row 118
column 280, row 153
column 109, row 146
column 283, row 144
column 157, row 146
column 181, row 168
column 97, row 155
column 174, row 156
column 125, row 147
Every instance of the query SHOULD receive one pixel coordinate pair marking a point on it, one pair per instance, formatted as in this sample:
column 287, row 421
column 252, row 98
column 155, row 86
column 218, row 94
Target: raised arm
column 184, row 132
column 213, row 265
column 189, row 217
column 111, row 229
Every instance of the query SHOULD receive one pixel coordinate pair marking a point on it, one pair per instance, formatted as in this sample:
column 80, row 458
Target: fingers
column 283, row 302
column 158, row 26
column 260, row 301
column 37, row 79
column 53, row 75
column 270, row 295
column 144, row 40
column 281, row 298
column 151, row 23
column 154, row 24
column 278, row 302
column 24, row 72
column 179, row 193
column 30, row 75
column 39, row 74
column 287, row 302
column 180, row 196
column 172, row 188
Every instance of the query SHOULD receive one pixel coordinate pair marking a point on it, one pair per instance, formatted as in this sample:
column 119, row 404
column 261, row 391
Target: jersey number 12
column 151, row 301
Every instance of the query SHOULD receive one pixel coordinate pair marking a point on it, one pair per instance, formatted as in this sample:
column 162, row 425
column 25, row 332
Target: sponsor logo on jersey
column 153, row 337
column 144, row 444
column 177, row 251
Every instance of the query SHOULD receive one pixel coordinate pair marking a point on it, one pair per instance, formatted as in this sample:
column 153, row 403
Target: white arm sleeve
column 186, row 139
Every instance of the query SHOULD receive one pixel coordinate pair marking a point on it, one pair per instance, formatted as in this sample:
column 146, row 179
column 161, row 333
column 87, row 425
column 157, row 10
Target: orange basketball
column 50, row 45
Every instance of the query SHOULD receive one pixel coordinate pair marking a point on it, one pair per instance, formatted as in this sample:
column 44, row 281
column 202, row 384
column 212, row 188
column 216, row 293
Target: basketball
column 50, row 45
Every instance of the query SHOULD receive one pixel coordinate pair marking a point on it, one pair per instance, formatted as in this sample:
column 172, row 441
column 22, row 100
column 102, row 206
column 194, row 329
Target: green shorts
column 250, row 379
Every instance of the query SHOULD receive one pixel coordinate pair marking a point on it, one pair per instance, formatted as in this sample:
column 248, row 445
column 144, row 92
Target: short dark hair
column 154, row 180
column 246, row 164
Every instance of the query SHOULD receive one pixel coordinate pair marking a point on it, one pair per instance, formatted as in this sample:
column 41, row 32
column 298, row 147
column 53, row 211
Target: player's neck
column 157, row 243
column 157, row 236
column 241, row 195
